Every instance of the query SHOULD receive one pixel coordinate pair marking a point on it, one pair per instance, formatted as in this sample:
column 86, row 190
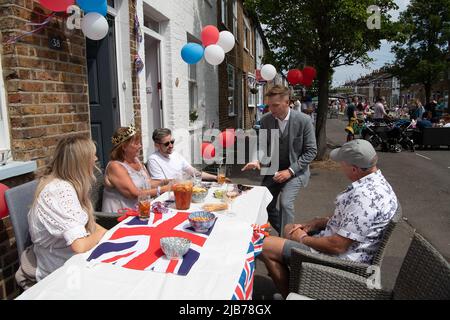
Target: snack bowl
column 201, row 221
column 175, row 247
column 199, row 193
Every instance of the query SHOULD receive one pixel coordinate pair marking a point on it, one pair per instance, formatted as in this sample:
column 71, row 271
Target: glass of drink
column 221, row 174
column 197, row 177
column 182, row 190
column 144, row 204
column 231, row 193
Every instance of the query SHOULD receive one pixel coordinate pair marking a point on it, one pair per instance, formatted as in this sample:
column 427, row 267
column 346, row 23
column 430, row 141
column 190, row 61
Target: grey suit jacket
column 302, row 140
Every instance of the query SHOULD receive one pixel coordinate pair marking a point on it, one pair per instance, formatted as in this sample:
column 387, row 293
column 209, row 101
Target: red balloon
column 309, row 73
column 294, row 76
column 226, row 138
column 3, row 208
column 307, row 82
column 210, row 35
column 56, row 5
column 208, row 150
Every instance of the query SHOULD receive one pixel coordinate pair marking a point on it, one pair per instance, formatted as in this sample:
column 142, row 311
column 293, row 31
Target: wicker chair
column 300, row 256
column 424, row 274
column 105, row 219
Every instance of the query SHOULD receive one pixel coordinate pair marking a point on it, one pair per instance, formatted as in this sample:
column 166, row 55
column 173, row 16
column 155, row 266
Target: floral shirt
column 362, row 213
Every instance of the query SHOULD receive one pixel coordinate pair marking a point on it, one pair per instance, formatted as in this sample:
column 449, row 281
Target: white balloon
column 214, row 54
column 94, row 26
column 268, row 72
column 226, row 41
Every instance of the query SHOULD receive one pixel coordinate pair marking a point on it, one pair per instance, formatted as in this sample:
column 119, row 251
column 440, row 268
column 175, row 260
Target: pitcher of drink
column 182, row 189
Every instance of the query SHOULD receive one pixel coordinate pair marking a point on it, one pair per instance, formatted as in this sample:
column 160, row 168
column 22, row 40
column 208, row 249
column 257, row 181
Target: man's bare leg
column 273, row 259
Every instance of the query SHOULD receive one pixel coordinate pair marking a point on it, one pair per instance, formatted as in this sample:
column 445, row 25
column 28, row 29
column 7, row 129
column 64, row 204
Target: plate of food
column 219, row 206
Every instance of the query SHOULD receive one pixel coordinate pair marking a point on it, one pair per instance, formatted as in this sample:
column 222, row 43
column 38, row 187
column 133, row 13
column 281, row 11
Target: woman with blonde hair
column 126, row 178
column 61, row 219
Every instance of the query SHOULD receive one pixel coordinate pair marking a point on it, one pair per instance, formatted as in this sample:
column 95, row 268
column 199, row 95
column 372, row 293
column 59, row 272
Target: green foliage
column 422, row 43
column 315, row 32
column 193, row 116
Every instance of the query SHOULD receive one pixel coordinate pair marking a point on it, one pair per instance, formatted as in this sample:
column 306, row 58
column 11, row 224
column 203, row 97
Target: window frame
column 5, row 141
column 232, row 89
column 251, row 96
column 247, row 36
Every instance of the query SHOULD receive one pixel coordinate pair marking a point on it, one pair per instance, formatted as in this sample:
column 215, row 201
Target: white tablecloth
column 214, row 276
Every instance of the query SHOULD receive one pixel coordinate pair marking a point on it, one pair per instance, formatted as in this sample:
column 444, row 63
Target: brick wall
column 244, row 63
column 47, row 98
column 46, row 89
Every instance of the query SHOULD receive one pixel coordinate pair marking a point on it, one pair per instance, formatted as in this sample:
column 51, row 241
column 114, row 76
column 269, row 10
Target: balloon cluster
column 215, row 45
column 226, row 140
column 94, row 24
column 305, row 77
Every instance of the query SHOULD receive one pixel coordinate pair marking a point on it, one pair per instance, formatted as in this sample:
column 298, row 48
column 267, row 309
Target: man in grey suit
column 292, row 134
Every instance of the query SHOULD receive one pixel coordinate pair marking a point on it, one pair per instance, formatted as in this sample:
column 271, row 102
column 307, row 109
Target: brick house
column 238, row 74
column 46, row 93
column 92, row 87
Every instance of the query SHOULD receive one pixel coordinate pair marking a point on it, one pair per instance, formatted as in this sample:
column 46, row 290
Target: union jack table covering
column 223, row 270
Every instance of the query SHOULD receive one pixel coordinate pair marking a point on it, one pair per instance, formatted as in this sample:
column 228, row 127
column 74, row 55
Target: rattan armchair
column 424, row 274
column 300, row 256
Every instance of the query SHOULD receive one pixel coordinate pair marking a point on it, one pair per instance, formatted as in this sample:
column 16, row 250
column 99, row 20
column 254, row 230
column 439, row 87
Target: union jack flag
column 136, row 244
column 244, row 289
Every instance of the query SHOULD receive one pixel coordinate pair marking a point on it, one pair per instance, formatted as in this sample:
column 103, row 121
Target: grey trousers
column 287, row 191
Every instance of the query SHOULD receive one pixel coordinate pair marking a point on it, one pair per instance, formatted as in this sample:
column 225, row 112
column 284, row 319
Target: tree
column 322, row 33
column 422, row 44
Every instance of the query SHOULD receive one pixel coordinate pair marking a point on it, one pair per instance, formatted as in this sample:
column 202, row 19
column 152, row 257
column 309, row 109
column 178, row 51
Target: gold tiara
column 131, row 131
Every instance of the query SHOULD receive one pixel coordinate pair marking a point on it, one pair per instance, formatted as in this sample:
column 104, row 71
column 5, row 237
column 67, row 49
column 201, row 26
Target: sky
column 381, row 56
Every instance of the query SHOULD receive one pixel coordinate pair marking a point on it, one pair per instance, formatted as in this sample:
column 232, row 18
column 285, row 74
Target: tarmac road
column 421, row 181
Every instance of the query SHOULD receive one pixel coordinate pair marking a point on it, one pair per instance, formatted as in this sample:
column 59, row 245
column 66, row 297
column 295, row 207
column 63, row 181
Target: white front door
column 153, row 84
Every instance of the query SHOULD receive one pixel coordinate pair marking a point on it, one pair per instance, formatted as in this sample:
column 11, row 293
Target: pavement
column 420, row 179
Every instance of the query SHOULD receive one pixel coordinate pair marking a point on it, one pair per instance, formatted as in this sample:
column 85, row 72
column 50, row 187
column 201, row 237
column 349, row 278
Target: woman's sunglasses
column 166, row 144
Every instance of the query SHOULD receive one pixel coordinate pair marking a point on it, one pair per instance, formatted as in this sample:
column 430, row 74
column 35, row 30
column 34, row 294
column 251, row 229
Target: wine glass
column 230, row 194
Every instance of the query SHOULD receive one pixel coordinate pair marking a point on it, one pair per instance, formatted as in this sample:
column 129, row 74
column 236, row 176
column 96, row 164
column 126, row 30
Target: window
column 247, row 36
column 4, row 127
column 193, row 88
column 235, row 21
column 251, row 101
column 111, row 3
column 224, row 7
column 151, row 23
column 231, row 90
column 192, row 78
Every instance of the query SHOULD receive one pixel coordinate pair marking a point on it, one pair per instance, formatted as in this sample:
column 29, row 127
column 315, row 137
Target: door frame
column 123, row 67
column 160, row 38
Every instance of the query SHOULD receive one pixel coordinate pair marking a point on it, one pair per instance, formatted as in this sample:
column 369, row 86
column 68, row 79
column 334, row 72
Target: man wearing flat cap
column 355, row 230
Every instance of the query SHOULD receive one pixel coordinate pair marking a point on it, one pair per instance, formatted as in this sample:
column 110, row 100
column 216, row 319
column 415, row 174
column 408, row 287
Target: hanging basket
column 254, row 90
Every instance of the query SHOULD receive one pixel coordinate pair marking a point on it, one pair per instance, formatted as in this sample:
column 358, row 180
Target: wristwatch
column 291, row 171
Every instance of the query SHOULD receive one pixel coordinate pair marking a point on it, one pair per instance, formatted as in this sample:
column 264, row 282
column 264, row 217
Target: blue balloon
column 100, row 6
column 192, row 53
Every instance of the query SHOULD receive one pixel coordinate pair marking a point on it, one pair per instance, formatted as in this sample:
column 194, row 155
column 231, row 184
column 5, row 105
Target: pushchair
column 393, row 136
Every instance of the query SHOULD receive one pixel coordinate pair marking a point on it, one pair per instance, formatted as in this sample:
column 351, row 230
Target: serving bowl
column 175, row 247
column 199, row 193
column 201, row 221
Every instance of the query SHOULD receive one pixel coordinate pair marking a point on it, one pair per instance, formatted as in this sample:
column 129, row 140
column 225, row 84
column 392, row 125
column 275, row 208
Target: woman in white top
column 61, row 219
column 126, row 177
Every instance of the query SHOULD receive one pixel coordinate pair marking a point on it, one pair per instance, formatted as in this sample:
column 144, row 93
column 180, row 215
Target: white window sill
column 16, row 168
column 196, row 125
column 232, row 115
column 251, row 106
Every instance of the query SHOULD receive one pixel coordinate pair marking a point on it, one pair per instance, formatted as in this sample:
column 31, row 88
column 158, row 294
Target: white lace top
column 56, row 221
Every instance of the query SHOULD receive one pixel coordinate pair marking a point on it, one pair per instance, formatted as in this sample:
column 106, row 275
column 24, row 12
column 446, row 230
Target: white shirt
column 161, row 167
column 362, row 213
column 55, row 222
column 283, row 123
column 379, row 111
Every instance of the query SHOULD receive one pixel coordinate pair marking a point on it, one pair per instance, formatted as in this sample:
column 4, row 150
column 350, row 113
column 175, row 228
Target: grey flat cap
column 359, row 153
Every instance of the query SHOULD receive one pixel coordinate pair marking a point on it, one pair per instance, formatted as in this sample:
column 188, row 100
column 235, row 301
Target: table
column 214, row 276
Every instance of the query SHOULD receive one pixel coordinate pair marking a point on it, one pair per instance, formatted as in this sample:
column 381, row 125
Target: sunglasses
column 166, row 144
